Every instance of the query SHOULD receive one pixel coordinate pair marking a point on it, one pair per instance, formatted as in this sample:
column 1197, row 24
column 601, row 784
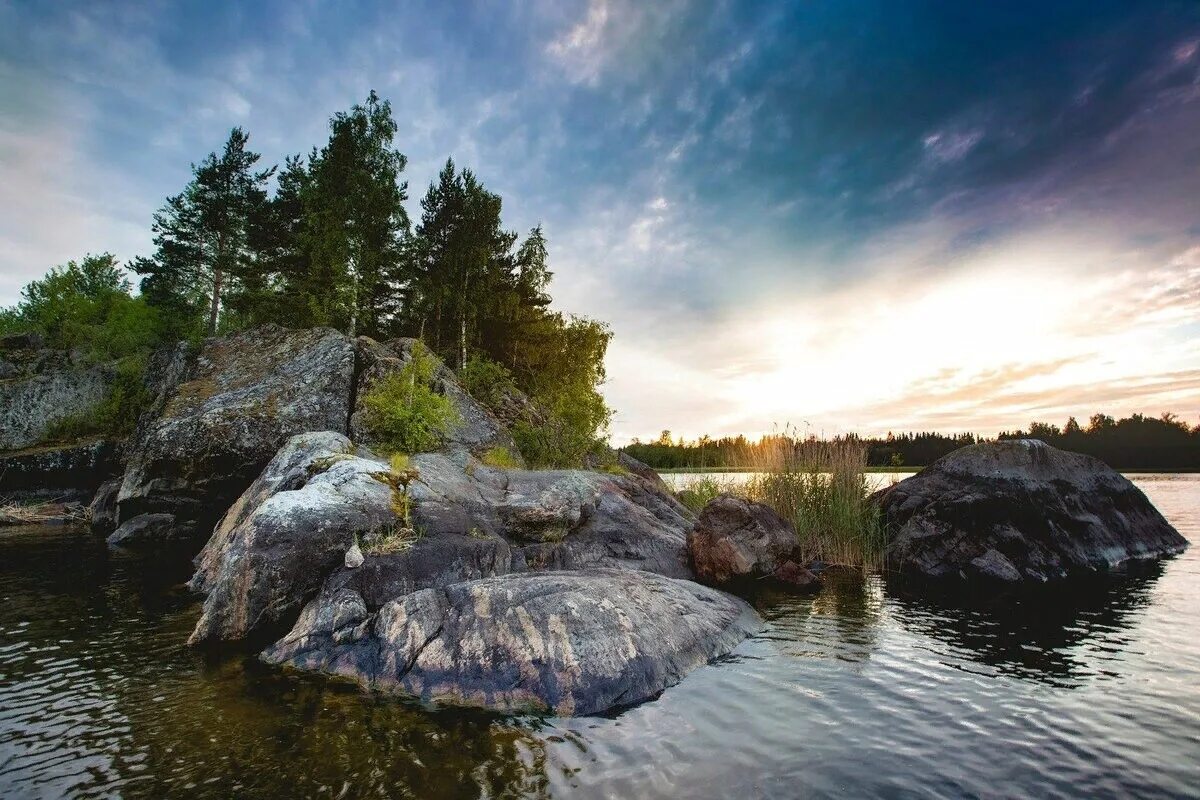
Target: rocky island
column 445, row 577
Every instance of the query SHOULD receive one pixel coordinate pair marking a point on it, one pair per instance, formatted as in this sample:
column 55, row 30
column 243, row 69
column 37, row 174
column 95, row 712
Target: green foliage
column 402, row 411
column 354, row 223
column 561, row 366
column 699, row 492
column 500, row 458
column 85, row 306
column 488, row 382
column 203, row 238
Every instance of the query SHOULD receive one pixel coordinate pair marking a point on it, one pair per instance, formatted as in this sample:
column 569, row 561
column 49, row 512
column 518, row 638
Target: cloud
column 582, row 49
column 785, row 210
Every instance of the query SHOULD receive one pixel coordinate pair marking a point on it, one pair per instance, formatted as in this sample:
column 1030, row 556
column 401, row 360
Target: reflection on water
column 1044, row 633
column 865, row 688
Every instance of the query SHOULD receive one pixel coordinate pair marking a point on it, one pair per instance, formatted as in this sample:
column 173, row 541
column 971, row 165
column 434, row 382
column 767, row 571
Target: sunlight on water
column 861, row 690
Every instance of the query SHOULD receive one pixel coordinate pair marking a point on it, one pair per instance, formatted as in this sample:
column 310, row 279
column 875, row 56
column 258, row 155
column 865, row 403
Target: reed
column 821, row 486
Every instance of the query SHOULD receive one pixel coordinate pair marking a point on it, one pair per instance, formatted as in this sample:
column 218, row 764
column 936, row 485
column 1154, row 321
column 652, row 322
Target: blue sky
column 842, row 215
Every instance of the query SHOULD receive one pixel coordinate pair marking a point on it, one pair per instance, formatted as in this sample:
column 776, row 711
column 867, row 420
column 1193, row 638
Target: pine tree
column 202, row 236
column 465, row 268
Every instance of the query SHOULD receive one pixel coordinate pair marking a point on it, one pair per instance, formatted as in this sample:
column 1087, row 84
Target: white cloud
column 583, row 49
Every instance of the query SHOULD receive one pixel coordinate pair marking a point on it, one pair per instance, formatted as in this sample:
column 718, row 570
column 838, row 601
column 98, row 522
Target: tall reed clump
column 822, row 488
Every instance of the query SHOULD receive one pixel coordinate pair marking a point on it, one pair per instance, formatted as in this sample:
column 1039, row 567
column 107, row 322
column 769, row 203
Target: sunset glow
column 779, row 224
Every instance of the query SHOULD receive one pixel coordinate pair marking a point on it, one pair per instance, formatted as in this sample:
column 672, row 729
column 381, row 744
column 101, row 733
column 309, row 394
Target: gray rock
column 243, row 397
column 31, row 404
column 737, row 539
column 150, row 530
column 560, row 519
column 479, row 430
column 102, row 512
column 1019, row 510
column 571, row 643
column 289, row 470
column 275, row 547
column 290, row 530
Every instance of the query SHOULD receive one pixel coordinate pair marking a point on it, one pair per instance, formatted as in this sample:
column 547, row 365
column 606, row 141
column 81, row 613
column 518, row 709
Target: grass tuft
column 821, row 486
column 500, row 458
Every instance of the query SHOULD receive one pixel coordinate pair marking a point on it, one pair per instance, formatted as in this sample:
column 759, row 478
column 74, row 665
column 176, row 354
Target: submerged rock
column 290, row 530
column 737, row 540
column 1019, row 510
column 102, row 512
column 150, row 530
column 572, row 643
column 242, row 398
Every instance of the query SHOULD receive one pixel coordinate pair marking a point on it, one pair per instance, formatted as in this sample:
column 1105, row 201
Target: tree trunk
column 353, row 298
column 214, row 307
column 462, row 324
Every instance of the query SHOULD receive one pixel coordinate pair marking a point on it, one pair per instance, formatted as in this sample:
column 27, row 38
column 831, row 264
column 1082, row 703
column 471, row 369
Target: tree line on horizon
column 332, row 245
column 1129, row 443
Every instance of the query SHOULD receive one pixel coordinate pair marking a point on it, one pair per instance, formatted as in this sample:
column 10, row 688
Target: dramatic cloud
column 862, row 216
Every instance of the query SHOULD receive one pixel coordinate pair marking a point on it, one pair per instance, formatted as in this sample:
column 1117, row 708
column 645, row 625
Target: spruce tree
column 355, row 222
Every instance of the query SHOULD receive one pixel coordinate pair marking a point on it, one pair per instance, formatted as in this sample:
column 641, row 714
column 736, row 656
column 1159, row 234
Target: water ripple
column 865, row 689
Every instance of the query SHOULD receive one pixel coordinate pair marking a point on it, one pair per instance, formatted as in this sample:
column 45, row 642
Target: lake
column 863, row 689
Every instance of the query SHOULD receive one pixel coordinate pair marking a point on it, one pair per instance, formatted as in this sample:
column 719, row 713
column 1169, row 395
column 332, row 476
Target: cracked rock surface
column 570, row 642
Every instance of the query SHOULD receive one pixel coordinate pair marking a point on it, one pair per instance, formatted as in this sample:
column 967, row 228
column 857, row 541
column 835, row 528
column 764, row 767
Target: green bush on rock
column 402, row 411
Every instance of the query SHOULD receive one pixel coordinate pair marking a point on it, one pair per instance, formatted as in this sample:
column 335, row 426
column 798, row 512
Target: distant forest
column 1135, row 442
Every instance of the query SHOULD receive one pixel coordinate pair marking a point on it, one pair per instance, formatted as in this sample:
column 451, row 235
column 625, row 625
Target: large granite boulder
column 1019, row 510
column 571, row 643
column 290, row 530
column 478, row 431
column 739, row 540
column 240, row 399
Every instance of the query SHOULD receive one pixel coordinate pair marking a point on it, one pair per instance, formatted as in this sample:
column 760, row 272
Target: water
column 861, row 690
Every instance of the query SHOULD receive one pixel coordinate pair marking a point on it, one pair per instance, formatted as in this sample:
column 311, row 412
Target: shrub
column 402, row 412
column 556, row 443
column 500, row 458
column 86, row 306
column 487, row 381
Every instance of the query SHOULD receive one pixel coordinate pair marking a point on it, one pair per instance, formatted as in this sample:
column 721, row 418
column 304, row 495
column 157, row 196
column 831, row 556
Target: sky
column 837, row 215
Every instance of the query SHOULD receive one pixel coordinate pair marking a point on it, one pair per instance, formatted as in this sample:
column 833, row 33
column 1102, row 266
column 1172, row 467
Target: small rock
column 796, row 576
column 354, row 557
column 737, row 539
